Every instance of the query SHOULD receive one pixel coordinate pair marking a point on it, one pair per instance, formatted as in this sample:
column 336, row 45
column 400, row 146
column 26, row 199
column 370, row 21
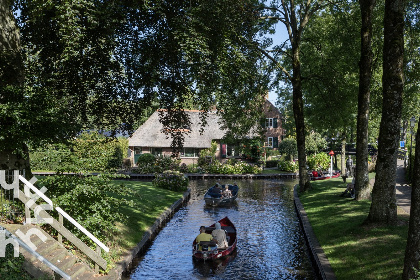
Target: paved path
column 403, row 190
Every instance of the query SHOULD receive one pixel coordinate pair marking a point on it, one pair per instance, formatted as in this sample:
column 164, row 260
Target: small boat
column 209, row 249
column 334, row 175
column 214, row 198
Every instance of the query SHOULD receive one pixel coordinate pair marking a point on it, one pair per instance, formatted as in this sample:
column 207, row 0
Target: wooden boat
column 334, row 175
column 209, row 249
column 215, row 198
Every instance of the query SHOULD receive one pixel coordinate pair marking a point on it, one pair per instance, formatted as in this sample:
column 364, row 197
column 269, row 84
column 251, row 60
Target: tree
column 12, row 100
column 383, row 208
column 295, row 17
column 99, row 64
column 412, row 259
column 365, row 76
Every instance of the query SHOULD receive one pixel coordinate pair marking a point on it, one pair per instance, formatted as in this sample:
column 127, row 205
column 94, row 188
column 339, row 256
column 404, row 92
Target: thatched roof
column 151, row 134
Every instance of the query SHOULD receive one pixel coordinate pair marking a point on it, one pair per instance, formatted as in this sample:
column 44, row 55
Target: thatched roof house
column 151, row 134
column 151, row 138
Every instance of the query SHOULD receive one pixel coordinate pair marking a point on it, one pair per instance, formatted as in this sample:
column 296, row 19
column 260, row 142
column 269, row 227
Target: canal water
column 270, row 243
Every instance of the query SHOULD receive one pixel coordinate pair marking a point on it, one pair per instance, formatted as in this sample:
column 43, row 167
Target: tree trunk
column 384, row 208
column 11, row 75
column 412, row 251
column 343, row 158
column 304, row 183
column 365, row 75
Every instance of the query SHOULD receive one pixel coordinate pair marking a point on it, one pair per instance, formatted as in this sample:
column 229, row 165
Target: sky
column 278, row 38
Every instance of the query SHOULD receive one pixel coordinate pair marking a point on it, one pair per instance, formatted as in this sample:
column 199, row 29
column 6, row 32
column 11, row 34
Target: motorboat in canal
column 214, row 196
column 209, row 250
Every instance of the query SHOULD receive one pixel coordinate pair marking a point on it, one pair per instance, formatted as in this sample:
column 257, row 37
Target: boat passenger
column 219, row 236
column 203, row 236
column 217, row 190
column 226, row 192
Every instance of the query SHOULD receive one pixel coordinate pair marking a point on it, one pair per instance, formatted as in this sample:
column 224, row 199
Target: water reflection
column 270, row 243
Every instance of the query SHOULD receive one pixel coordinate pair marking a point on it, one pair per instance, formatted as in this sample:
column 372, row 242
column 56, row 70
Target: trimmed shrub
column 171, row 180
column 286, row 165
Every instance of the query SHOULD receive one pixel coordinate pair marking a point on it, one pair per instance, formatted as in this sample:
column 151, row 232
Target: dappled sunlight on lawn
column 355, row 250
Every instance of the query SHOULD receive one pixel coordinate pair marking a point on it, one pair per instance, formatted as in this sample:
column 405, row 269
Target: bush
column 87, row 200
column 11, row 268
column 319, row 161
column 89, row 152
column 171, row 180
column 288, row 147
column 286, row 165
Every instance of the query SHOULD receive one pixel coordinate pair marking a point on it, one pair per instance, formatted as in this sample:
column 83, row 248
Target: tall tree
column 295, row 17
column 412, row 250
column 384, row 208
column 12, row 100
column 411, row 108
column 365, row 76
column 98, row 64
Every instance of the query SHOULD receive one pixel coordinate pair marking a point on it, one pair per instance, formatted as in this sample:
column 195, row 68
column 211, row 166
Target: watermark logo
column 31, row 198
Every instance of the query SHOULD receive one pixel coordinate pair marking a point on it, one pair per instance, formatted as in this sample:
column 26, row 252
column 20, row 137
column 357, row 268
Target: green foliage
column 239, row 167
column 89, row 152
column 315, row 143
column 148, row 163
column 11, row 268
column 320, row 161
column 171, row 180
column 87, row 200
column 288, row 147
column 287, row 165
column 208, row 155
column 252, row 150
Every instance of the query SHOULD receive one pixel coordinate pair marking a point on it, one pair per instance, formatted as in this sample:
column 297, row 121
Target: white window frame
column 270, row 141
column 269, row 122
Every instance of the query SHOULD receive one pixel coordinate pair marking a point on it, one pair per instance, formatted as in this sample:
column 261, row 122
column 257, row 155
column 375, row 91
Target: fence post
column 98, row 251
column 60, row 220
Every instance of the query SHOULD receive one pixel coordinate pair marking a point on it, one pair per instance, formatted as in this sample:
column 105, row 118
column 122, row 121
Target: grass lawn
column 146, row 204
column 355, row 250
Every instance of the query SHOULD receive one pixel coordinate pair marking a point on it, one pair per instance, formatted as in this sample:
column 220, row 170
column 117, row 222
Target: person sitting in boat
column 217, row 190
column 219, row 236
column 203, row 236
column 226, row 192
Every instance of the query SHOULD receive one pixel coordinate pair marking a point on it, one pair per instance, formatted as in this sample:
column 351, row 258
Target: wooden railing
column 29, row 199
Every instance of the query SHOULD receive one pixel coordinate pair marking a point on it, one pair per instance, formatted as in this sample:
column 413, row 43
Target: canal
column 270, row 242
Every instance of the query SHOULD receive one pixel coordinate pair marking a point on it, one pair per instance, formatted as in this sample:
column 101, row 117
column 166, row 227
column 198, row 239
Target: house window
column 269, row 122
column 156, row 151
column 138, row 150
column 190, row 152
column 232, row 151
column 270, row 142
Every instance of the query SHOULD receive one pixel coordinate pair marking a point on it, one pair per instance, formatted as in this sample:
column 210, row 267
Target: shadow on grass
column 144, row 204
column 355, row 251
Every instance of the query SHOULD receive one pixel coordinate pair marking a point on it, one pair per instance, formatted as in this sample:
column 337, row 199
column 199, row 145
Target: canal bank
column 319, row 259
column 126, row 264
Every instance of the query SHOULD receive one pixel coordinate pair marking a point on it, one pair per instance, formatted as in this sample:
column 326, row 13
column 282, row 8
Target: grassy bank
column 146, row 204
column 355, row 250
